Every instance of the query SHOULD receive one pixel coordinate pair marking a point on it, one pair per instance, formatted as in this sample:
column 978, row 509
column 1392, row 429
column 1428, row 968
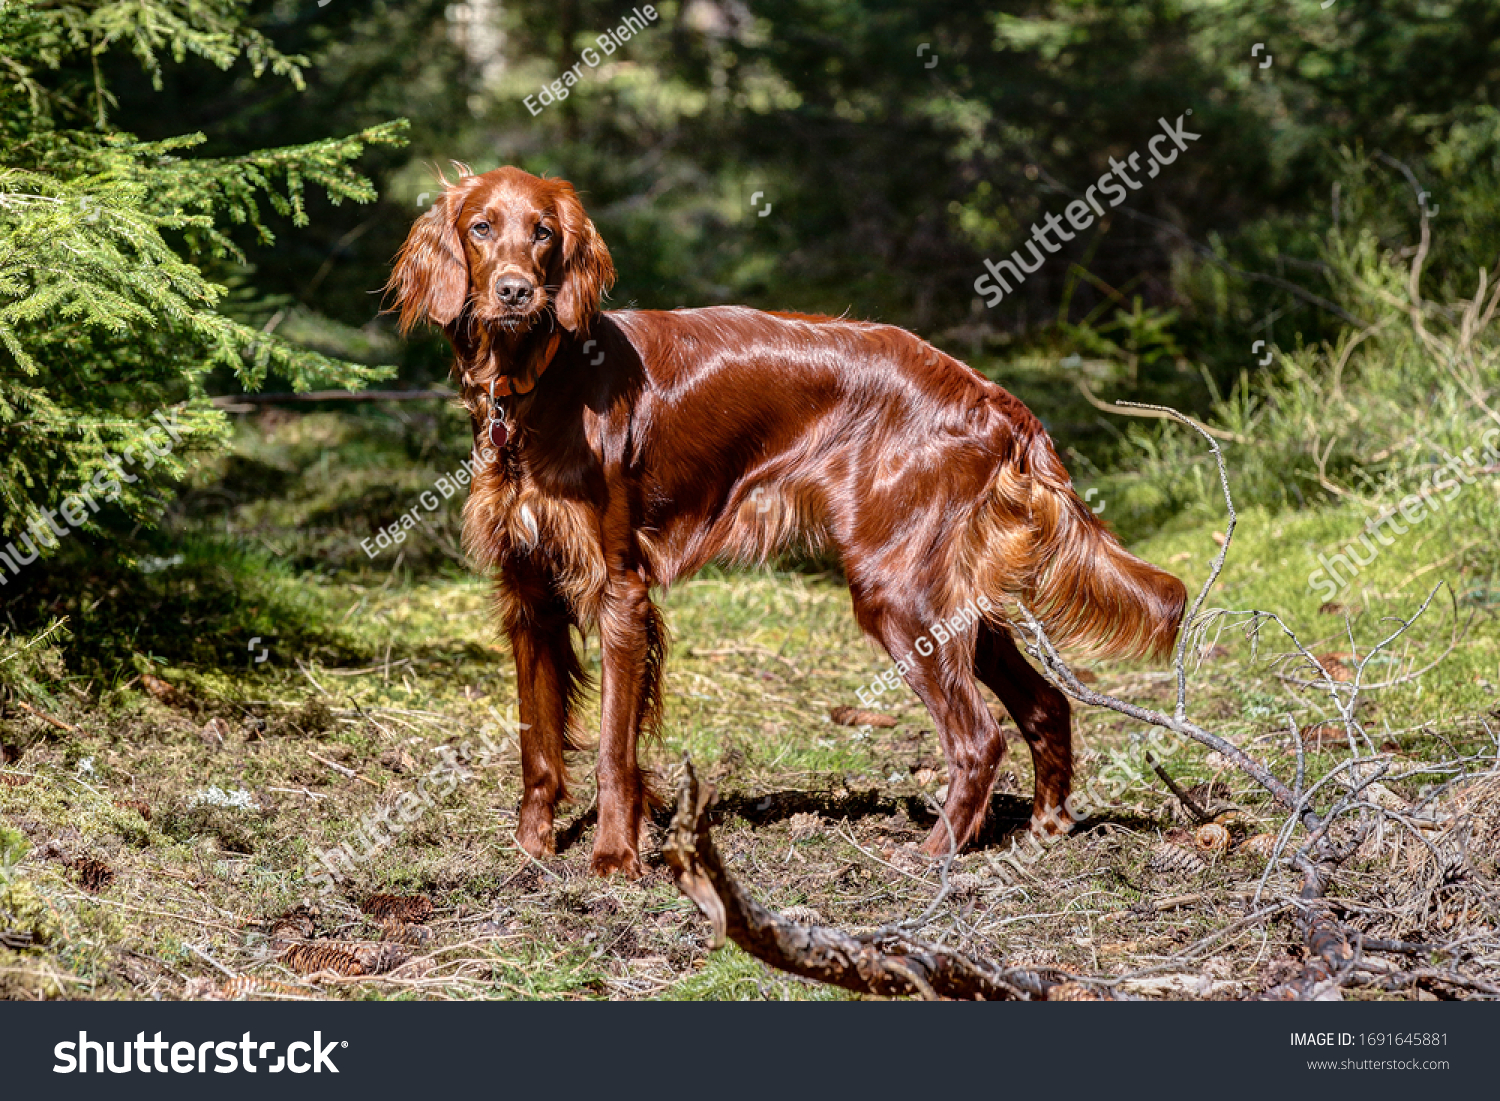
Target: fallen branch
column 886, row 962
column 232, row 401
column 343, row 770
column 1189, row 804
column 1179, row 902
column 1327, row 940
column 46, row 718
column 1133, row 409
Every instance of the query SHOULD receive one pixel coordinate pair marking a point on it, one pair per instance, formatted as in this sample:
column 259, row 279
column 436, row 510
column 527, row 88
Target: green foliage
column 152, row 183
column 1361, row 420
column 107, row 312
column 891, row 180
column 13, row 846
column 43, row 36
column 27, row 664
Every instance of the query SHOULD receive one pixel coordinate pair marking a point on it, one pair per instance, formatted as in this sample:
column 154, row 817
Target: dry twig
column 886, row 962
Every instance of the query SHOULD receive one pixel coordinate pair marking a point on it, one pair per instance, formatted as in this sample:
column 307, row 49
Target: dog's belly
column 762, row 520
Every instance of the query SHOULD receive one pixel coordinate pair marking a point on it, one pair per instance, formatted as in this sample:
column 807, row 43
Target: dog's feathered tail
column 1035, row 540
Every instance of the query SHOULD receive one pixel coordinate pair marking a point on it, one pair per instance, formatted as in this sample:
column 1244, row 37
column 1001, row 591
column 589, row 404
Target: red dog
column 635, row 446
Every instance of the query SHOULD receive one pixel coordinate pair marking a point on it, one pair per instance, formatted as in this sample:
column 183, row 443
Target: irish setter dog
column 634, row 446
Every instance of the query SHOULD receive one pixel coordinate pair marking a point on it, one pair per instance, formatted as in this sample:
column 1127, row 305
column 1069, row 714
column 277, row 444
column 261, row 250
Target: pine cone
column 1169, row 859
column 407, row 909
column 93, row 875
column 308, row 959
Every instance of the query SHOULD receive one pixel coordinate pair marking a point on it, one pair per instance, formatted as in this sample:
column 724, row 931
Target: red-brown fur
column 676, row 438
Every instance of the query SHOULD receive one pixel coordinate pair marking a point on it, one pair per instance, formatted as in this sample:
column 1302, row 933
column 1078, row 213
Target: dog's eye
column 543, row 233
column 480, row 229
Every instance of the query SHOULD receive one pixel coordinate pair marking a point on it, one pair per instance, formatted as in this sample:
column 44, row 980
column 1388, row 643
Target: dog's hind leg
column 1043, row 715
column 549, row 680
column 943, row 680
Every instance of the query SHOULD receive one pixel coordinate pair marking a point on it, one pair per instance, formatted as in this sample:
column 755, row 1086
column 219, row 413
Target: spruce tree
column 110, row 321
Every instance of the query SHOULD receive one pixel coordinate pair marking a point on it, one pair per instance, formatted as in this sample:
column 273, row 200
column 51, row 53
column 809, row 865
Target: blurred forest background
column 204, row 196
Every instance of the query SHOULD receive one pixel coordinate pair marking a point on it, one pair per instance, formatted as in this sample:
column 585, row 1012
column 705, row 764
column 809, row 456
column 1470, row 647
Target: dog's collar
column 499, row 429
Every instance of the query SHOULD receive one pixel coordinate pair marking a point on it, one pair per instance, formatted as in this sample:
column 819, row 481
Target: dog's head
column 506, row 249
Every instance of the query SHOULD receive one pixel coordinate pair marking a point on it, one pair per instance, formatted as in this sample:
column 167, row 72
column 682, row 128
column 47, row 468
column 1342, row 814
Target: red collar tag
column 499, row 434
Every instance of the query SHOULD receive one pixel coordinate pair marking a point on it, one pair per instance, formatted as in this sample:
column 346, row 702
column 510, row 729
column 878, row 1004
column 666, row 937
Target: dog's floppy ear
column 431, row 278
column 587, row 269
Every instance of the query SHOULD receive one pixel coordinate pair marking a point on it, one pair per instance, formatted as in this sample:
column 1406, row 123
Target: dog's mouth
column 534, row 309
column 519, row 319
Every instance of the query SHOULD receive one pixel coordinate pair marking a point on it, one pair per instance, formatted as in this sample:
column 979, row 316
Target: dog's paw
column 935, row 845
column 1050, row 827
column 608, row 862
column 537, row 837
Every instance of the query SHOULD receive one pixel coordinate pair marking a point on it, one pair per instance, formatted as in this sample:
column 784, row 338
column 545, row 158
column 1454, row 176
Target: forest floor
column 160, row 827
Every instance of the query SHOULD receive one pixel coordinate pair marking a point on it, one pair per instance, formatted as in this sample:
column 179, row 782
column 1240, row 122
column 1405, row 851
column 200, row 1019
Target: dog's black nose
column 515, row 290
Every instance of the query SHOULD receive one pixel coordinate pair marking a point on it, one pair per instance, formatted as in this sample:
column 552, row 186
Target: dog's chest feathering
column 510, row 515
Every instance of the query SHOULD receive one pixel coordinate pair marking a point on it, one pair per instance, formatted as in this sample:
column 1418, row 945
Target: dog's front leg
column 632, row 643
column 548, row 672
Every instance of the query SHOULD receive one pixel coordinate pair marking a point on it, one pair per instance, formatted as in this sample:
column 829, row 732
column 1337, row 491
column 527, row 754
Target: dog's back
column 862, row 438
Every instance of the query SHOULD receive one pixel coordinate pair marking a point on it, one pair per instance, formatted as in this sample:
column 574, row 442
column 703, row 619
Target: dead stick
column 886, row 962
column 1177, row 902
column 1182, row 797
column 46, row 718
column 342, row 770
